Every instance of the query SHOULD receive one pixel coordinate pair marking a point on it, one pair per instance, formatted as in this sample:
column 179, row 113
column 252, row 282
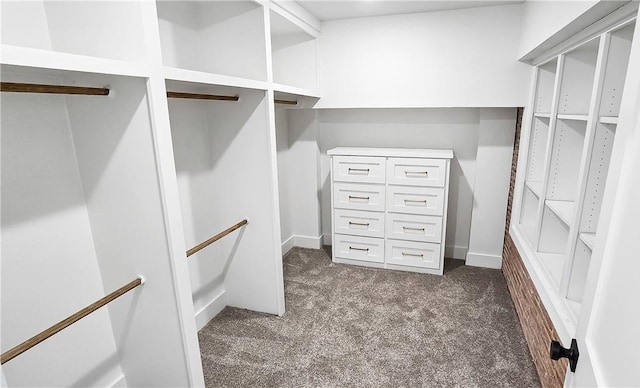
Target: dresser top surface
column 392, row 152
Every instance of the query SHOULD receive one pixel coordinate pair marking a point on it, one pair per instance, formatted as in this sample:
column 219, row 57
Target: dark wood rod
column 196, row 96
column 216, row 237
column 33, row 341
column 286, row 102
column 52, row 89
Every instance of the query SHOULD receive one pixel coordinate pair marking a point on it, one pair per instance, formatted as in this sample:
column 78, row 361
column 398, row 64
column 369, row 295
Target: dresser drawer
column 358, row 169
column 413, row 254
column 359, row 223
column 359, row 248
column 416, row 172
column 415, row 200
column 358, row 197
column 414, row 228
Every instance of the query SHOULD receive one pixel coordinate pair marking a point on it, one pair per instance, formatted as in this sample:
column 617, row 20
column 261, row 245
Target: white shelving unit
column 102, row 189
column 569, row 140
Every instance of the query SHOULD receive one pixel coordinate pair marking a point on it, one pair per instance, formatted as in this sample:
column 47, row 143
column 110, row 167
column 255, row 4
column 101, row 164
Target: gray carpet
column 349, row 326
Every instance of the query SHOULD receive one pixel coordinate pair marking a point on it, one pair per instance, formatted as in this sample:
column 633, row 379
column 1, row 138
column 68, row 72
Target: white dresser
column 389, row 207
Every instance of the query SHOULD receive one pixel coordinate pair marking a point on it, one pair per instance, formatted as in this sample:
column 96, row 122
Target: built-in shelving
column 570, row 145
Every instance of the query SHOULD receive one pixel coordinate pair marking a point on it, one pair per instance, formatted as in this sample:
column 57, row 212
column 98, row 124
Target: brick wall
column 536, row 324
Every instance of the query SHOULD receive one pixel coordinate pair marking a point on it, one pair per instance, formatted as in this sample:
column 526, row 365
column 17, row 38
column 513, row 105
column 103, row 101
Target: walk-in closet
column 319, row 193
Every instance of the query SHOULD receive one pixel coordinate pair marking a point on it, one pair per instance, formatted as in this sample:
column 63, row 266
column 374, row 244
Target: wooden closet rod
column 43, row 335
column 286, row 102
column 197, row 96
column 52, row 89
column 216, row 237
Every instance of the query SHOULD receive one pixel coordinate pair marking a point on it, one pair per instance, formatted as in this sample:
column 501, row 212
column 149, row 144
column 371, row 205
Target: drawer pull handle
column 412, row 254
column 356, row 197
column 410, row 228
column 425, row 173
column 359, row 249
column 409, row 201
column 365, row 170
column 359, row 223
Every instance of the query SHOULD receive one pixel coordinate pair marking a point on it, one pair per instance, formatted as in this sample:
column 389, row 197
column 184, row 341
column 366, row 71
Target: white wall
column 461, row 58
column 491, row 187
column 542, row 19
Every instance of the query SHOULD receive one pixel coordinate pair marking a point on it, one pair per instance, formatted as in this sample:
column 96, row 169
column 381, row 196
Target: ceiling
column 326, row 10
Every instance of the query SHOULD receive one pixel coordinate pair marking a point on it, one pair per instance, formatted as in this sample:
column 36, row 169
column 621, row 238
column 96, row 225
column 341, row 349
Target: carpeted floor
column 349, row 326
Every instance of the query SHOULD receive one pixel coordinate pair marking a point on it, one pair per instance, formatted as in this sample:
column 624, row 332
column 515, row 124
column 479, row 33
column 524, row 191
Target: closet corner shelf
column 553, row 264
column 295, row 90
column 542, row 115
column 588, row 239
column 563, row 209
column 53, row 60
column 535, row 187
column 573, row 117
column 200, row 77
column 609, row 120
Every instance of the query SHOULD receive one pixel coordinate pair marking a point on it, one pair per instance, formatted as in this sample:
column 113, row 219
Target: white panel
column 577, row 79
column 415, row 200
column 554, row 233
column 462, row 58
column 544, row 88
column 565, row 160
column 359, row 248
column 359, row 169
column 358, row 196
column 413, row 254
column 416, row 172
column 616, row 70
column 359, row 223
column 414, row 227
column 537, row 148
column 222, row 37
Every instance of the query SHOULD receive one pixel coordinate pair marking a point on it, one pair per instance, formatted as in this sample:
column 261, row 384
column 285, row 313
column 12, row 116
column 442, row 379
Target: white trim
column 483, row 260
column 120, row 382
column 213, row 308
column 287, row 245
column 455, row 252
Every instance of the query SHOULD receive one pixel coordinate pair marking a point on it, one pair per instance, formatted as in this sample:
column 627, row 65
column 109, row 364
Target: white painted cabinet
column 389, row 207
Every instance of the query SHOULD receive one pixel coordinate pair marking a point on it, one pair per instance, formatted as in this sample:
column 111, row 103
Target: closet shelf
column 45, row 59
column 609, row 120
column 574, row 307
column 542, row 115
column 294, row 90
column 563, row 209
column 176, row 74
column 535, row 187
column 573, row 117
column 588, row 239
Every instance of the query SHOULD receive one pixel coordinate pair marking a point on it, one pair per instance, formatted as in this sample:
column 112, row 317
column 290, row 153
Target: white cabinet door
column 608, row 331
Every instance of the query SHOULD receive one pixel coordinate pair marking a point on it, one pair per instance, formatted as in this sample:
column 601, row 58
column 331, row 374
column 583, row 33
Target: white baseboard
column 485, row 261
column 302, row 242
column 213, row 308
column 326, row 239
column 287, row 245
column 455, row 252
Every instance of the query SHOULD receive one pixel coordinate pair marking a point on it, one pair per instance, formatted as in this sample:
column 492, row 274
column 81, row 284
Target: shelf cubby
column 217, row 37
column 616, row 71
column 563, row 209
column 552, row 246
column 577, row 79
column 537, row 149
column 293, row 54
column 566, row 153
column 579, row 271
column 82, row 214
column 597, row 177
column 544, row 87
column 528, row 215
column 104, row 29
column 211, row 141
